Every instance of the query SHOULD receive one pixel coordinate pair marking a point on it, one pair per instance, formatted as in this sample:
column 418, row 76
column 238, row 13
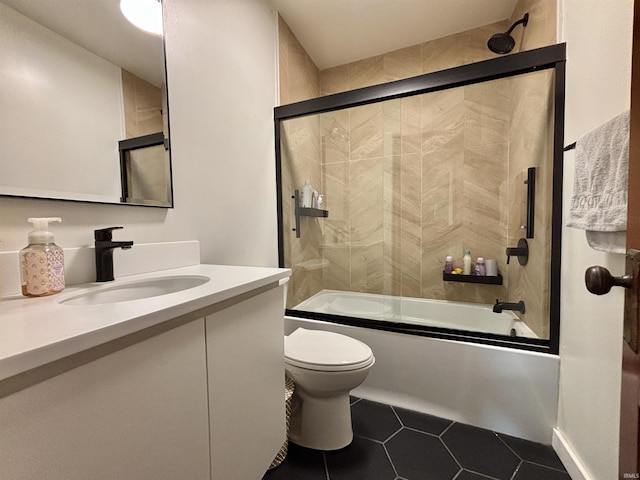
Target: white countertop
column 36, row 331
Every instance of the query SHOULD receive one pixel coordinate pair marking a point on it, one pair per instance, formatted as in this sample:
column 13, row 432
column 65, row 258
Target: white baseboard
column 568, row 457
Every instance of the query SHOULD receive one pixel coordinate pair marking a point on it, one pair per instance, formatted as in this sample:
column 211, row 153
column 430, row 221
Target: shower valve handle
column 521, row 251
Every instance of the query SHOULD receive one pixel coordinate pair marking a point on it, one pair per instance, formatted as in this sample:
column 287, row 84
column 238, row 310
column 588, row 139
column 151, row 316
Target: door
column 599, row 281
column 630, row 394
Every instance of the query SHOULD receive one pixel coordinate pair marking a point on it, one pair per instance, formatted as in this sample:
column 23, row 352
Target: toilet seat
column 326, row 351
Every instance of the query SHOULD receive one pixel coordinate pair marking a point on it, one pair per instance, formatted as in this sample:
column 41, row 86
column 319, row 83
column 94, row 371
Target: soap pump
column 42, row 261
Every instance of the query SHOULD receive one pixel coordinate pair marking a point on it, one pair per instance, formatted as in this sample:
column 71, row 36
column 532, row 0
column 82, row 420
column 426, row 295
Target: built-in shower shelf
column 312, row 212
column 305, row 212
column 452, row 277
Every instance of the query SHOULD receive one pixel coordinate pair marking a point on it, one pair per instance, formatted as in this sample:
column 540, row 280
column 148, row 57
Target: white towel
column 599, row 200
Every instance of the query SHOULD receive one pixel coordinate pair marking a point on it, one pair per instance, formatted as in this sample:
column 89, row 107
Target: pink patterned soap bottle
column 42, row 261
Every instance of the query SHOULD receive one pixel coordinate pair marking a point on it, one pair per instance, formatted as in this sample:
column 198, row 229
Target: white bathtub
column 434, row 313
column 503, row 389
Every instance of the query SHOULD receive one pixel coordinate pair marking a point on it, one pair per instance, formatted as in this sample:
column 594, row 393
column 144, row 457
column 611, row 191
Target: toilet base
column 321, row 423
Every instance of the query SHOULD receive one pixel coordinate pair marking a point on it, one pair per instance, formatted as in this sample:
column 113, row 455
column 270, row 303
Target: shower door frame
column 545, row 58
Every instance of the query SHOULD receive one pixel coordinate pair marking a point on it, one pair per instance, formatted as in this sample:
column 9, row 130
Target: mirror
column 78, row 83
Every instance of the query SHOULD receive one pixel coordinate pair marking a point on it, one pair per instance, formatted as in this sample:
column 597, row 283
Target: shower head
column 504, row 42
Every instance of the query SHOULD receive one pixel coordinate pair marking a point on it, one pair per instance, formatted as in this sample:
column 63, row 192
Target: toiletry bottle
column 307, row 195
column 42, row 261
column 320, row 201
column 481, row 269
column 466, row 269
column 448, row 264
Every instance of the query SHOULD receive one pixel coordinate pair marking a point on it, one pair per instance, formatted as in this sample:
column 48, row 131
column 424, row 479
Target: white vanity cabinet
column 137, row 413
column 195, row 397
column 245, row 363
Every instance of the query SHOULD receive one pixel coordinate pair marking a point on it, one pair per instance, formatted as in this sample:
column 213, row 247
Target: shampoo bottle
column 307, row 195
column 466, row 270
column 42, row 261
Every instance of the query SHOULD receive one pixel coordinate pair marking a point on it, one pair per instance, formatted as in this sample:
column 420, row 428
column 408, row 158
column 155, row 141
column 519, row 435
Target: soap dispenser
column 42, row 261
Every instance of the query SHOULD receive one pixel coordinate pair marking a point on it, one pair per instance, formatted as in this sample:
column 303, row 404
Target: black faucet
column 104, row 253
column 500, row 306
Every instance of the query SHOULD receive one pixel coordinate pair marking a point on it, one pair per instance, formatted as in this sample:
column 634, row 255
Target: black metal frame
column 551, row 57
column 144, row 141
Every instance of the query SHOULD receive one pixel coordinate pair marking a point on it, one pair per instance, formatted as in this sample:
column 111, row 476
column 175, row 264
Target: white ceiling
column 335, row 32
column 98, row 26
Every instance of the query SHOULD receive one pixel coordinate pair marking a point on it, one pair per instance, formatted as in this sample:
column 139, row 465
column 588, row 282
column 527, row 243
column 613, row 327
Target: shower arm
column 524, row 20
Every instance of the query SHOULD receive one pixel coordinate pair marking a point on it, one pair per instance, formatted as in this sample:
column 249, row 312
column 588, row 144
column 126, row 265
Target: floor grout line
column 379, row 426
column 395, row 470
column 326, row 468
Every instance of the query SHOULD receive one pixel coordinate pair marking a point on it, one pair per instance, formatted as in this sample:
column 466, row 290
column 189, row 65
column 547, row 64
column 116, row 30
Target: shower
column 400, row 177
column 503, row 42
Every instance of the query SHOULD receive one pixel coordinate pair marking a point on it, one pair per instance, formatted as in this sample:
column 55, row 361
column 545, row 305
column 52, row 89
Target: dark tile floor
column 391, row 443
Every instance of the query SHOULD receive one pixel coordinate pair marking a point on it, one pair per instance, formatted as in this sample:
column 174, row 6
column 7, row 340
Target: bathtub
column 417, row 311
column 503, row 389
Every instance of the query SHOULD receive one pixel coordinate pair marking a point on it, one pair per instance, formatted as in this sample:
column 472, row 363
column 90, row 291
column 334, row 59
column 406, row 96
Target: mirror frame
column 545, row 58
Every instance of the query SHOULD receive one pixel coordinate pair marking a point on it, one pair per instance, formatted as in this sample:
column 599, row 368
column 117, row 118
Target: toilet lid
column 325, row 351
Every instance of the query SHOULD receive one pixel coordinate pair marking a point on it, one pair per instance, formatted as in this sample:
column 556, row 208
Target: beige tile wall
column 143, row 103
column 300, row 80
column 410, row 181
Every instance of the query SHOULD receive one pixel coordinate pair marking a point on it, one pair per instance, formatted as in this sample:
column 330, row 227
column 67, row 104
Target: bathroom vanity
column 177, row 385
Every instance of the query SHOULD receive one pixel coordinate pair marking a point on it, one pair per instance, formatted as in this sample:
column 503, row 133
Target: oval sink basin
column 136, row 290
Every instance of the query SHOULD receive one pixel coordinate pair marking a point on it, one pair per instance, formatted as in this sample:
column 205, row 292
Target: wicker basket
column 288, row 393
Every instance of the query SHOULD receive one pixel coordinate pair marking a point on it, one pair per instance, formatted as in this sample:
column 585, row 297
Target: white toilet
column 324, row 367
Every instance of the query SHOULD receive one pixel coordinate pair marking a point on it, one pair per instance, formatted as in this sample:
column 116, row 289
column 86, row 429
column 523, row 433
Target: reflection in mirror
column 146, row 175
column 76, row 79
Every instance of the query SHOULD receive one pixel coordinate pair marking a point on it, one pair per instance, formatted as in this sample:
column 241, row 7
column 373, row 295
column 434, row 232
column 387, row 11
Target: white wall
column 598, row 36
column 222, row 81
column 52, row 91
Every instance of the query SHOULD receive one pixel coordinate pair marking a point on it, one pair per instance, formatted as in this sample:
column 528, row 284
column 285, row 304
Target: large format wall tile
column 366, row 221
column 364, row 73
column 443, row 53
column 443, row 115
column 487, row 112
column 300, row 161
column 411, row 224
column 403, row 63
column 411, row 125
column 367, row 137
column 392, row 234
column 442, row 216
column 336, row 237
column 336, row 137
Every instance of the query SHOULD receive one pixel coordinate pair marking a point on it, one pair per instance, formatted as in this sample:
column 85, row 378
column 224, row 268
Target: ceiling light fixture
column 144, row 14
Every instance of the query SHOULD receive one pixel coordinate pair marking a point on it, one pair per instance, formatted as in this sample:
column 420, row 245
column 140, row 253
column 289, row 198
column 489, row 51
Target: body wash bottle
column 307, row 195
column 466, row 261
column 42, row 261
